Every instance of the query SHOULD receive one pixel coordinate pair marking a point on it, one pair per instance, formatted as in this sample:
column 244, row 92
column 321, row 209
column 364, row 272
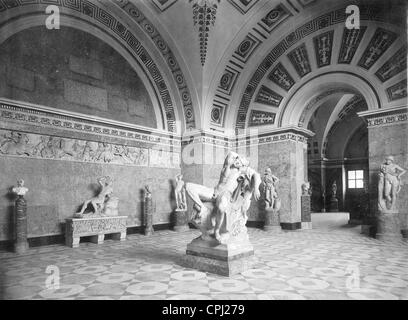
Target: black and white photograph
column 217, row 152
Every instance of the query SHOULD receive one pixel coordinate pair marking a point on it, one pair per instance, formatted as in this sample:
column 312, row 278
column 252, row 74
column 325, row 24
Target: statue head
column 389, row 159
column 20, row 183
column 179, row 177
column 268, row 171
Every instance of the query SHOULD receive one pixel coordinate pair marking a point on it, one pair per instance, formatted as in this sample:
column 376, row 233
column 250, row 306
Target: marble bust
column 20, row 190
column 306, row 189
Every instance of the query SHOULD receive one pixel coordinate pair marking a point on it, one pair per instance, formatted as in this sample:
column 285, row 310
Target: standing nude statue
column 98, row 201
column 271, row 196
column 389, row 184
column 180, row 193
column 236, row 179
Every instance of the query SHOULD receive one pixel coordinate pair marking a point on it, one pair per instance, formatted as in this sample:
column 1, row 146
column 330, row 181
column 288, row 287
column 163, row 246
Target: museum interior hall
column 203, row 150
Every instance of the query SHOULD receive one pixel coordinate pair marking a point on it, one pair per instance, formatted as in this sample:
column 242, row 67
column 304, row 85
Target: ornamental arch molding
column 98, row 22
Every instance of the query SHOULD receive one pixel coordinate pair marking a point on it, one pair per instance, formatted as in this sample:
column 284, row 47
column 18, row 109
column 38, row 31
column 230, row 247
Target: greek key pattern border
column 44, row 119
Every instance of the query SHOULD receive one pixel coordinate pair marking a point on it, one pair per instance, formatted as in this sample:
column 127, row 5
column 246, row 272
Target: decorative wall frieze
column 58, row 120
column 250, row 138
column 385, row 117
column 35, row 146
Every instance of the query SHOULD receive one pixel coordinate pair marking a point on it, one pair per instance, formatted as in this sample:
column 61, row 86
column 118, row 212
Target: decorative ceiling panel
column 243, row 5
column 163, row 5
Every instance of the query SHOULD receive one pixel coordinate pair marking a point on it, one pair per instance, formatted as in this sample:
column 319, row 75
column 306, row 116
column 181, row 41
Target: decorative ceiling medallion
column 259, row 118
column 217, row 114
column 163, row 5
column 274, row 17
column 204, row 14
column 243, row 5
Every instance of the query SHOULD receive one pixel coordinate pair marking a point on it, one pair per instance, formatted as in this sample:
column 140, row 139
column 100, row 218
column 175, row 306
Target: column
column 387, row 136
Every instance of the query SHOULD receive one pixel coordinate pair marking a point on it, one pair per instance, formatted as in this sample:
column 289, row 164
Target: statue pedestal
column 223, row 259
column 388, row 226
column 334, row 205
column 21, row 243
column 95, row 227
column 306, row 218
column 181, row 221
column 272, row 221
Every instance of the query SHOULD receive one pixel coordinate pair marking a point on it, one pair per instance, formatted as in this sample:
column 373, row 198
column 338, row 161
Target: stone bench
column 75, row 228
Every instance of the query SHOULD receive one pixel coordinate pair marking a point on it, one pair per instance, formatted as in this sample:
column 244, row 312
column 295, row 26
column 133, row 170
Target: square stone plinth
column 222, row 259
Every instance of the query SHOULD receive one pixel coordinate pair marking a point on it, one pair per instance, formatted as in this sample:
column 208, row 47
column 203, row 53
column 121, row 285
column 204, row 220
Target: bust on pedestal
column 272, row 202
column 389, row 185
column 181, row 220
column 221, row 215
column 334, row 202
column 21, row 243
column 305, row 203
column 148, row 211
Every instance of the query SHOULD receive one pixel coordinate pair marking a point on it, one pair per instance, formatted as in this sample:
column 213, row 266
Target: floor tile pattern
column 312, row 264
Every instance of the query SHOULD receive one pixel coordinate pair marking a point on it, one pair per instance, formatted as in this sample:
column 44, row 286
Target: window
column 356, row 179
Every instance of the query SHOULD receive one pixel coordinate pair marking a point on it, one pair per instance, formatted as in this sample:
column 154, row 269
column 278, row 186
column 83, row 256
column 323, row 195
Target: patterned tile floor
column 312, row 264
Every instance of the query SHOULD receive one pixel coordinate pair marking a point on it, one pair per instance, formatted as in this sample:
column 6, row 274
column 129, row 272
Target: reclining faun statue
column 231, row 199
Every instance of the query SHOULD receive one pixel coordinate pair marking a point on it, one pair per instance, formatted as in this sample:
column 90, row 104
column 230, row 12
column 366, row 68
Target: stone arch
column 302, row 103
column 247, row 82
column 109, row 30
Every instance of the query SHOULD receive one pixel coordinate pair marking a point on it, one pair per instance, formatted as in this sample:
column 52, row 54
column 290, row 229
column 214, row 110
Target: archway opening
column 338, row 155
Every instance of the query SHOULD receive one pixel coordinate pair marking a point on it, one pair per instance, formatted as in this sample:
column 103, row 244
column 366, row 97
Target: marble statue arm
column 402, row 171
column 256, row 181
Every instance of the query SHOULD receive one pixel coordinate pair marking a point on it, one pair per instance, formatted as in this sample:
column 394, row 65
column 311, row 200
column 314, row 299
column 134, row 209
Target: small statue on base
column 21, row 243
column 20, row 190
column 148, row 211
column 181, row 220
column 272, row 201
column 180, row 193
column 334, row 202
column 104, row 204
column 306, row 189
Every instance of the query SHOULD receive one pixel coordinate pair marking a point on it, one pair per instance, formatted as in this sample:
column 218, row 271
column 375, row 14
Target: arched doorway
column 338, row 156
